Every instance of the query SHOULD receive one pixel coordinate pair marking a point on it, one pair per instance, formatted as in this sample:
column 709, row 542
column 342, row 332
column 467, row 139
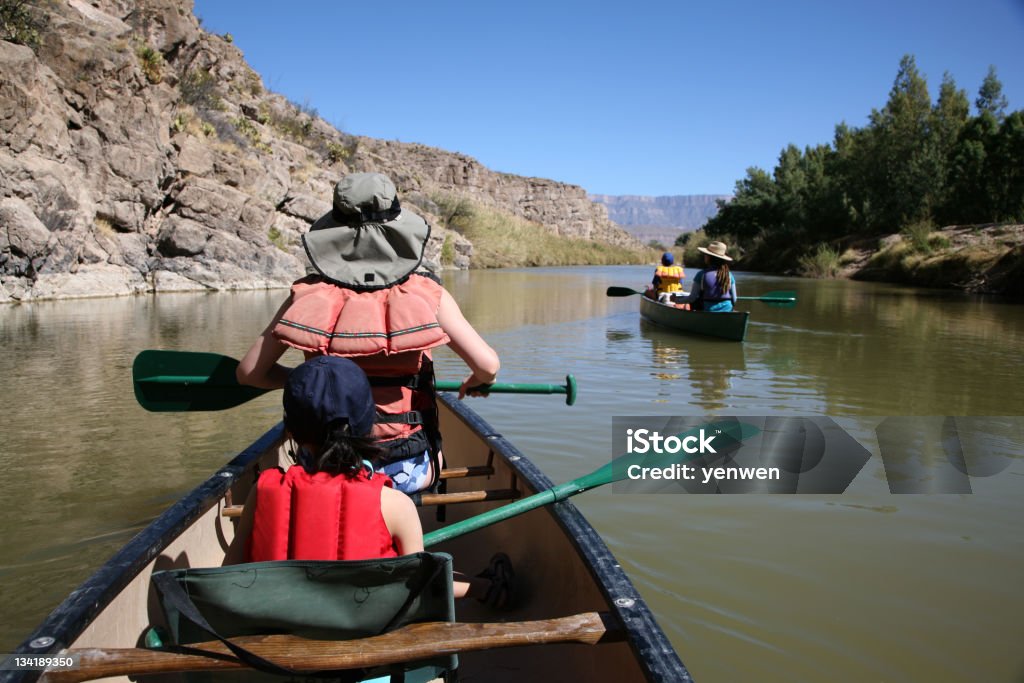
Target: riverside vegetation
column 141, row 153
column 925, row 194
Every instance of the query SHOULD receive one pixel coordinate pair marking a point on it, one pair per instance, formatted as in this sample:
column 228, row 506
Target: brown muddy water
column 862, row 585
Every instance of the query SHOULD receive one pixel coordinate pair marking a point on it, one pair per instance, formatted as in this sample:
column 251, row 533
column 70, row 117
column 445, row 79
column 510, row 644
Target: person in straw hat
column 714, row 287
column 362, row 299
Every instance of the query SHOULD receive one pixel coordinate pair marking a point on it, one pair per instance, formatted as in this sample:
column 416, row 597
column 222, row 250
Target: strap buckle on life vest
column 413, row 417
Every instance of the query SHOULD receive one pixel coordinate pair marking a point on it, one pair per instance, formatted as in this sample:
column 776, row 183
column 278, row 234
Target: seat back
column 324, row 600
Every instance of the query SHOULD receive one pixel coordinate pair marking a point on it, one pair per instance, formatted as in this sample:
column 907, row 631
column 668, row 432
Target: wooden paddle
column 785, row 299
column 180, row 381
column 617, row 470
column 408, row 644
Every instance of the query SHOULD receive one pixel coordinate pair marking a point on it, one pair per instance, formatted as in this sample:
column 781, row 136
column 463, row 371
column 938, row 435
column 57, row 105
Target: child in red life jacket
column 332, row 505
column 363, row 300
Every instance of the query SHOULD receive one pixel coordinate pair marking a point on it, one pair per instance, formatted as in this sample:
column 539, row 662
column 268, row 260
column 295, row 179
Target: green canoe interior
column 555, row 553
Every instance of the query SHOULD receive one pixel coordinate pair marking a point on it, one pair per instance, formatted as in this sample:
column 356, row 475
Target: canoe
column 732, row 325
column 562, row 567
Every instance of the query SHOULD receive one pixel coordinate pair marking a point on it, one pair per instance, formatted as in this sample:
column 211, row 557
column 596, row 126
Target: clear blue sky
column 648, row 98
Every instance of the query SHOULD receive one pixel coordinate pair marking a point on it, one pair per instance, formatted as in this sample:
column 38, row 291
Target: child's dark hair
column 341, row 452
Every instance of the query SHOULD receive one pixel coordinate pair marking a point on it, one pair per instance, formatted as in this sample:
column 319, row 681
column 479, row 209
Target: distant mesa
column 661, row 219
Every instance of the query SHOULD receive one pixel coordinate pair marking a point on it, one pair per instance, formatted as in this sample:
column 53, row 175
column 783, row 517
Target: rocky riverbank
column 139, row 153
column 981, row 259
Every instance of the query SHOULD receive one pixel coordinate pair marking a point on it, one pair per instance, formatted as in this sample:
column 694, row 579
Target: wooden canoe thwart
column 731, row 326
column 568, row 587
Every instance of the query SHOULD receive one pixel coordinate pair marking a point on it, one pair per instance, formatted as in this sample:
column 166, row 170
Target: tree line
column 915, row 162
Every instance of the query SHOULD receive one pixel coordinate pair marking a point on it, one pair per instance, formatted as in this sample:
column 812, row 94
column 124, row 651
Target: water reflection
column 707, row 366
column 511, row 299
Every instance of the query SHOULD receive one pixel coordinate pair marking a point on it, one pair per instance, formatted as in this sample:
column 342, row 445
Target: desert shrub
column 23, row 23
column 337, row 151
column 152, row 63
column 199, row 89
column 821, row 263
column 278, row 239
column 456, row 211
column 918, row 235
column 448, row 251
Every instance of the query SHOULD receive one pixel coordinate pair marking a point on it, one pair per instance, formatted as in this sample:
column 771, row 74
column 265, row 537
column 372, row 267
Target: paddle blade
column 180, row 381
column 621, row 291
column 786, row 299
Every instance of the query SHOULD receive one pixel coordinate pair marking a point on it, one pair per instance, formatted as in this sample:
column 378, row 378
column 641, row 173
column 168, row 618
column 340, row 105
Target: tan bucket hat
column 367, row 241
column 716, row 249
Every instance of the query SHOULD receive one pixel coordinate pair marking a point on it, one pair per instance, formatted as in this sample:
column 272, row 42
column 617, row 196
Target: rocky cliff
column 140, row 153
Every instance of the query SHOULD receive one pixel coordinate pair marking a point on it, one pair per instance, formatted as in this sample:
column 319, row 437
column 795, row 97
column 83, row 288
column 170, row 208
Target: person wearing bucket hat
column 714, row 287
column 329, row 413
column 364, row 299
column 668, row 278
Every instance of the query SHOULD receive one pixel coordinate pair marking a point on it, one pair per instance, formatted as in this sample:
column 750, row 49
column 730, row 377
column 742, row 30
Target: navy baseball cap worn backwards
column 324, row 391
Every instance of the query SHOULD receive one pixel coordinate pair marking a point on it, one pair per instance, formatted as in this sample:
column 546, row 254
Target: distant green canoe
column 731, row 326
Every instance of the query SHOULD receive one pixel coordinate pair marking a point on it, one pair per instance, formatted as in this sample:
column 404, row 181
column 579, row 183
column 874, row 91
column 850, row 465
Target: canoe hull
column 731, row 326
column 564, row 565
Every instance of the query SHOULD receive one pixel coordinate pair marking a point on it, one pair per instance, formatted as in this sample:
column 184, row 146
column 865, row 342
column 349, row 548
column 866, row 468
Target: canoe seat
column 322, row 600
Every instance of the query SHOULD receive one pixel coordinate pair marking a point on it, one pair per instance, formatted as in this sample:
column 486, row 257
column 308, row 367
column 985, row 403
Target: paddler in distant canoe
column 668, row 278
column 667, row 283
column 714, row 287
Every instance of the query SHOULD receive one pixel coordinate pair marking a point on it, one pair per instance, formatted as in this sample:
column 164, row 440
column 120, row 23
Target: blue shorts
column 411, row 474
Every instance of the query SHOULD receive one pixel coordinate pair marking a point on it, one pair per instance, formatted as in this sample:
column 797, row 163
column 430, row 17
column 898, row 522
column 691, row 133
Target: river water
column 863, row 585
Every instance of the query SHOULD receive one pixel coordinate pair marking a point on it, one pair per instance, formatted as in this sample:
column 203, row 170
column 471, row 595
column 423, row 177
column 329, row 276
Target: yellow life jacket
column 670, row 278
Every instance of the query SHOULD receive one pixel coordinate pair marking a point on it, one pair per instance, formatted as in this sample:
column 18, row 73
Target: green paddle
column 777, row 299
column 617, row 470
column 180, row 381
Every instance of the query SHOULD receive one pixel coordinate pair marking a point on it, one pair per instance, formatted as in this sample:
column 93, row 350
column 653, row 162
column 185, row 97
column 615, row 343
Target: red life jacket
column 388, row 333
column 303, row 516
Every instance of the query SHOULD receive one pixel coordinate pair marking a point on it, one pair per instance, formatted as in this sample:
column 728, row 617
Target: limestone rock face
column 139, row 153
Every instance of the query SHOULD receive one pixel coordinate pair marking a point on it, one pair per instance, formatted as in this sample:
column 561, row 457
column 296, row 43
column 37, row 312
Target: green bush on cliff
column 448, row 251
column 199, row 89
column 22, row 23
column 152, row 63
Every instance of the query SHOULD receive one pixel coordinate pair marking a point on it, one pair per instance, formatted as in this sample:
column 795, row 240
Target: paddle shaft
column 440, row 385
column 484, row 519
column 408, row 644
column 182, row 381
column 769, row 298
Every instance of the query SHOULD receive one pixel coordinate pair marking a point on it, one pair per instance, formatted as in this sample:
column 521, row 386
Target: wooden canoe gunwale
column 67, row 621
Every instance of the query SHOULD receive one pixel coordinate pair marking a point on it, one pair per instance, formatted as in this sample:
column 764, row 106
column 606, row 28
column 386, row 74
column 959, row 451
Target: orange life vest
column 303, row 516
column 388, row 333
column 670, row 278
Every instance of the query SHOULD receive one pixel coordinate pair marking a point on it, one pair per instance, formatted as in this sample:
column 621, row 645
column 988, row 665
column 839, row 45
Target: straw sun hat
column 716, row 249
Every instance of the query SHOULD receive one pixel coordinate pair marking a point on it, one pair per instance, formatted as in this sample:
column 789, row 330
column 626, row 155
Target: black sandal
column 501, row 576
